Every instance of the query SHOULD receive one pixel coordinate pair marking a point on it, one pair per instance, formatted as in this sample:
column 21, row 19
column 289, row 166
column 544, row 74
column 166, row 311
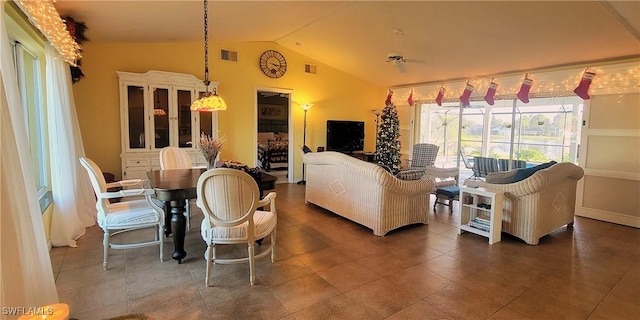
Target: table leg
column 167, row 219
column 178, row 227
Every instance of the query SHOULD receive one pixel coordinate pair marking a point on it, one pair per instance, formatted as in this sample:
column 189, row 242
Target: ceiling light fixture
column 210, row 101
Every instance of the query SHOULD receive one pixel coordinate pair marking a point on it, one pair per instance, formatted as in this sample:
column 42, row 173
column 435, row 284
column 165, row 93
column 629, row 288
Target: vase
column 211, row 164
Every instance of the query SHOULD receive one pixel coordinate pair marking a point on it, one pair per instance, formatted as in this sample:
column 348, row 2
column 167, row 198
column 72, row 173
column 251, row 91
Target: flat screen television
column 345, row 136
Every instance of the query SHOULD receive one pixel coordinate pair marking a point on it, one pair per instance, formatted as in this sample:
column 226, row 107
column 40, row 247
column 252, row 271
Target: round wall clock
column 273, row 64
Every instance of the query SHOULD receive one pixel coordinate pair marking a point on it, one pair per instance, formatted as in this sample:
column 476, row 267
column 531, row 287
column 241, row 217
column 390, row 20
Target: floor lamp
column 306, row 108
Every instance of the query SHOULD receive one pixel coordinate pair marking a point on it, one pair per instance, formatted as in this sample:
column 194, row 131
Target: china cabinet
column 155, row 113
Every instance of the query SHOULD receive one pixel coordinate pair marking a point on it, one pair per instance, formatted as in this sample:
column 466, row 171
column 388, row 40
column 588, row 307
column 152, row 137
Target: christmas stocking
column 388, row 101
column 523, row 94
column 491, row 93
column 466, row 94
column 440, row 96
column 583, row 87
column 410, row 99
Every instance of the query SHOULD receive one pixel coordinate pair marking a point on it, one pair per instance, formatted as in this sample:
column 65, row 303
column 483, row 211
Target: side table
column 481, row 212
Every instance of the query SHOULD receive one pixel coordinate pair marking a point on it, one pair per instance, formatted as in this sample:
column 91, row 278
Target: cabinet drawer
column 138, row 162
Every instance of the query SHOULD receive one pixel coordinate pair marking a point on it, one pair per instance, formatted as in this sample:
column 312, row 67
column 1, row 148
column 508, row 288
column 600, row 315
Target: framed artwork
column 274, row 112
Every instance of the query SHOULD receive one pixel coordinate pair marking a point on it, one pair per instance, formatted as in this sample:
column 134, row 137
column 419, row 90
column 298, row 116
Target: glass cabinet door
column 184, row 119
column 161, row 129
column 135, row 115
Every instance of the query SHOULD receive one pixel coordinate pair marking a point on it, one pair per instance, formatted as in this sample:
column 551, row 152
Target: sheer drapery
column 26, row 277
column 73, row 200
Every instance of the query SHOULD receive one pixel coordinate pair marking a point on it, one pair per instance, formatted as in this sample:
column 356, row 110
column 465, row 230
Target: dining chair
column 229, row 200
column 176, row 158
column 119, row 217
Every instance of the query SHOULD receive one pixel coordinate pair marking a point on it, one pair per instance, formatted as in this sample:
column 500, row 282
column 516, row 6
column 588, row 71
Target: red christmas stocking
column 388, row 101
column 491, row 93
column 523, row 94
column 440, row 96
column 466, row 94
column 583, row 88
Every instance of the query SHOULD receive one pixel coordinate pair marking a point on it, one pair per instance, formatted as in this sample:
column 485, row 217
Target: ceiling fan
column 396, row 58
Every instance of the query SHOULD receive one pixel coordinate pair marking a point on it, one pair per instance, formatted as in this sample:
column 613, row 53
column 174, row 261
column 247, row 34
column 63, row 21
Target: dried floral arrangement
column 210, row 147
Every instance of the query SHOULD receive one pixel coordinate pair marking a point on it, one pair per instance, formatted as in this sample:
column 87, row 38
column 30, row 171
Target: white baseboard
column 608, row 216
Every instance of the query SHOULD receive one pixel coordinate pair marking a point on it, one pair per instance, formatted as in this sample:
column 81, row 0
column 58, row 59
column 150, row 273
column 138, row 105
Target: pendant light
column 210, row 101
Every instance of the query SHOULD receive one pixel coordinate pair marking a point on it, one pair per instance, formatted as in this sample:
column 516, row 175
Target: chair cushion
column 410, row 174
column 449, row 192
column 265, row 222
column 522, row 174
column 127, row 213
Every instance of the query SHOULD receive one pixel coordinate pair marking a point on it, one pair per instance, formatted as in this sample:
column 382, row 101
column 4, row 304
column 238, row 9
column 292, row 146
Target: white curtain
column 73, row 199
column 26, row 277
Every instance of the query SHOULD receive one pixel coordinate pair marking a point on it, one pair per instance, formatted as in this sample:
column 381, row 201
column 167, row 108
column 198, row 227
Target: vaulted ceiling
column 441, row 40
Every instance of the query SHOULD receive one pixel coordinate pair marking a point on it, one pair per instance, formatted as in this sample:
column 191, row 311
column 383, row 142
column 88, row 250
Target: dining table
column 175, row 187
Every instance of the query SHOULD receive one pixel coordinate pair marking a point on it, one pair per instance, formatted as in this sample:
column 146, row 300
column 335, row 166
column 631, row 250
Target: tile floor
column 330, row 268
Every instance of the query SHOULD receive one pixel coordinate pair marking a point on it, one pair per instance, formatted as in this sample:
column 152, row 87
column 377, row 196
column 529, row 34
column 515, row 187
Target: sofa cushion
column 522, row 174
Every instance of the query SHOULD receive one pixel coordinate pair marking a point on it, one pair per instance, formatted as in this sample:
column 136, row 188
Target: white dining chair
column 229, row 200
column 123, row 216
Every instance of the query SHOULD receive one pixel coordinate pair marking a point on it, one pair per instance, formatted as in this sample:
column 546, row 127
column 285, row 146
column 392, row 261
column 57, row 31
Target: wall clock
column 273, row 64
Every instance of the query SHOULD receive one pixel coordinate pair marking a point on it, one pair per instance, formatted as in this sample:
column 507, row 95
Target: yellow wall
column 335, row 95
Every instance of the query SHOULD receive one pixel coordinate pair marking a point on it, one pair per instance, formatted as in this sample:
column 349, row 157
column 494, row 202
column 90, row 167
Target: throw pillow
column 522, row 174
column 410, row 174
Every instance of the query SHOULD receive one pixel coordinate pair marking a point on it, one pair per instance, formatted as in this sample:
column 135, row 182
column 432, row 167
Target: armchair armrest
column 269, row 199
column 125, row 183
column 126, row 193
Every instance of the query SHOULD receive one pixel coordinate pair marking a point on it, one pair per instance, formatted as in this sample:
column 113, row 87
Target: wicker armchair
column 539, row 204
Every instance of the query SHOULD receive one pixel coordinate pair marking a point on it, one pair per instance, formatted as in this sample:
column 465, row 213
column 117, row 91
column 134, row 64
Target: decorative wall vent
column 228, row 55
column 310, row 68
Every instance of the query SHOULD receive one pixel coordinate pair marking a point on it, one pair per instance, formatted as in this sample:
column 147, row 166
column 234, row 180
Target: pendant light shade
column 210, row 101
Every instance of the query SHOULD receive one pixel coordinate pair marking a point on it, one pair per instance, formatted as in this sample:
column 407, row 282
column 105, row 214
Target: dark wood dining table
column 175, row 187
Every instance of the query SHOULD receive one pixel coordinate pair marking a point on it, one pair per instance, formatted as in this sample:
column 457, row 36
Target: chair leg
column 210, row 249
column 252, row 271
column 161, row 242
column 273, row 245
column 105, row 244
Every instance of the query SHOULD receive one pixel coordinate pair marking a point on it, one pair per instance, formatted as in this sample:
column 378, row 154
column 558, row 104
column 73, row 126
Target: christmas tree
column 388, row 139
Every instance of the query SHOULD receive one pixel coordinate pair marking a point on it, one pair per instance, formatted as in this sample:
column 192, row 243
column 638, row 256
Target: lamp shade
column 209, row 102
column 307, row 106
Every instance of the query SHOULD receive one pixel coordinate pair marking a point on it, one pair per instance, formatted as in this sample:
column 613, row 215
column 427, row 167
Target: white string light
column 609, row 79
column 44, row 16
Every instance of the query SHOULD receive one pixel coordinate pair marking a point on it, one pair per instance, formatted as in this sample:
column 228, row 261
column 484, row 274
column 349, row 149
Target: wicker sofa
column 365, row 192
column 538, row 204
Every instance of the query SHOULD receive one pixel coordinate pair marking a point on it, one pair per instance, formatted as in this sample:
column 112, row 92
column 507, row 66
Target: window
column 542, row 130
column 29, row 74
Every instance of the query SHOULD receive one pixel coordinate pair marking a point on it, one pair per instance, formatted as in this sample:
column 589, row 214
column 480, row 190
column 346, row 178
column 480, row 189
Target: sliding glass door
column 542, row 130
